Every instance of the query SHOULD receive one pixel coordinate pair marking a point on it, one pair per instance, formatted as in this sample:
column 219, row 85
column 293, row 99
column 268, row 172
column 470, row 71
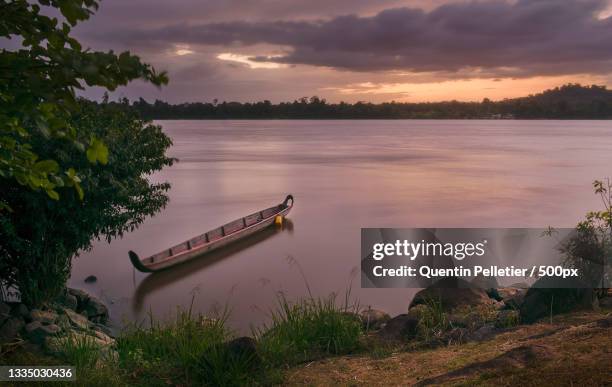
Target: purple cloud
column 525, row 38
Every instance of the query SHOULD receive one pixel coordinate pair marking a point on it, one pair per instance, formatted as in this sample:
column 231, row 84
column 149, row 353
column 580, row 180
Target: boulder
column 373, row 319
column 55, row 344
column 452, row 293
column 22, row 311
column 403, row 326
column 81, row 296
column 11, row 328
column 37, row 332
column 242, row 347
column 76, row 320
column 485, row 283
column 551, row 295
column 90, row 279
column 104, row 329
column 90, row 306
column 32, row 326
column 241, row 350
column 68, row 300
column 44, row 316
column 103, row 339
column 96, row 311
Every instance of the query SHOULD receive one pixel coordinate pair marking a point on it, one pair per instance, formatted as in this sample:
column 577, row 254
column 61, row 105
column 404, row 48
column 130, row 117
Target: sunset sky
column 378, row 50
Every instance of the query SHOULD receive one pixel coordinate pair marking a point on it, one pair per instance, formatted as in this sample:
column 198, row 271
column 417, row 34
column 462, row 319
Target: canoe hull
column 148, row 265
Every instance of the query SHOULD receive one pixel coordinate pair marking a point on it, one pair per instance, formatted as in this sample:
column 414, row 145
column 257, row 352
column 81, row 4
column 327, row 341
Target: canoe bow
column 137, row 263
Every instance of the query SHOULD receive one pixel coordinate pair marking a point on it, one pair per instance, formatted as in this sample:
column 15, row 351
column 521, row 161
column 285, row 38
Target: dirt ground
column 575, row 350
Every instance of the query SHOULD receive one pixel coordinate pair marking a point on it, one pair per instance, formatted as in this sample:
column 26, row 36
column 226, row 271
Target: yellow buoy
column 278, row 220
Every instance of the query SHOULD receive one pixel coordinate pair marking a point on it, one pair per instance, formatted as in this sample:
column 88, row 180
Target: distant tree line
column 571, row 101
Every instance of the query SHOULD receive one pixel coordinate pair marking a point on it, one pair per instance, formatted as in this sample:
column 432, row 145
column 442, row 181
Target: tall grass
column 94, row 367
column 433, row 320
column 310, row 327
column 307, row 329
column 189, row 350
column 80, row 351
column 193, row 349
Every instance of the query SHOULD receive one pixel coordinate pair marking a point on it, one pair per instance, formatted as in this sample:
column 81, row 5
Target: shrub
column 589, row 249
column 39, row 236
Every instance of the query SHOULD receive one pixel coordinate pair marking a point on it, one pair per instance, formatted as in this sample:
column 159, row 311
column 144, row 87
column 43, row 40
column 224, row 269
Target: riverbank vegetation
column 570, row 101
column 316, row 340
column 40, row 235
column 343, row 342
column 590, row 249
column 71, row 171
column 193, row 349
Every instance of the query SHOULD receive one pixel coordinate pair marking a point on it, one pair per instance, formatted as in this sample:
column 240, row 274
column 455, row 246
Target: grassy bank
column 193, row 349
column 321, row 341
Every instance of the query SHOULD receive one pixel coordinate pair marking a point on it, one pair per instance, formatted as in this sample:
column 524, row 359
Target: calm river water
column 344, row 175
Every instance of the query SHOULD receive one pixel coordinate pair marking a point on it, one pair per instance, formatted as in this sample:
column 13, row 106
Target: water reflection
column 159, row 280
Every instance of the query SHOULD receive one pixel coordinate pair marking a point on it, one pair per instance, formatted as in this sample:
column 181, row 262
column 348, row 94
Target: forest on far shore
column 570, row 101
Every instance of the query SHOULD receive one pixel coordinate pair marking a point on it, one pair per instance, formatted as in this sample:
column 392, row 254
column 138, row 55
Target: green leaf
column 53, row 194
column 97, row 152
column 46, row 166
column 79, row 190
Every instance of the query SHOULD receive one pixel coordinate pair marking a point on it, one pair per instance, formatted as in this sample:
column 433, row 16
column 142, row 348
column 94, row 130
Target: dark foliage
column 38, row 80
column 39, row 235
column 589, row 250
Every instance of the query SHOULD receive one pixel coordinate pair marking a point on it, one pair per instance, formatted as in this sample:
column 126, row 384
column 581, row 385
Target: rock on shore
column 453, row 310
column 452, row 293
column 75, row 315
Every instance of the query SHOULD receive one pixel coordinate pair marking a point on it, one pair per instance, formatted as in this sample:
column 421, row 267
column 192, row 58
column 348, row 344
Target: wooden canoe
column 212, row 239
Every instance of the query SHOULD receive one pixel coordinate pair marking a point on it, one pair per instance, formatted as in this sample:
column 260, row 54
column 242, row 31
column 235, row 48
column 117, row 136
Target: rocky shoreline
column 452, row 311
column 75, row 315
